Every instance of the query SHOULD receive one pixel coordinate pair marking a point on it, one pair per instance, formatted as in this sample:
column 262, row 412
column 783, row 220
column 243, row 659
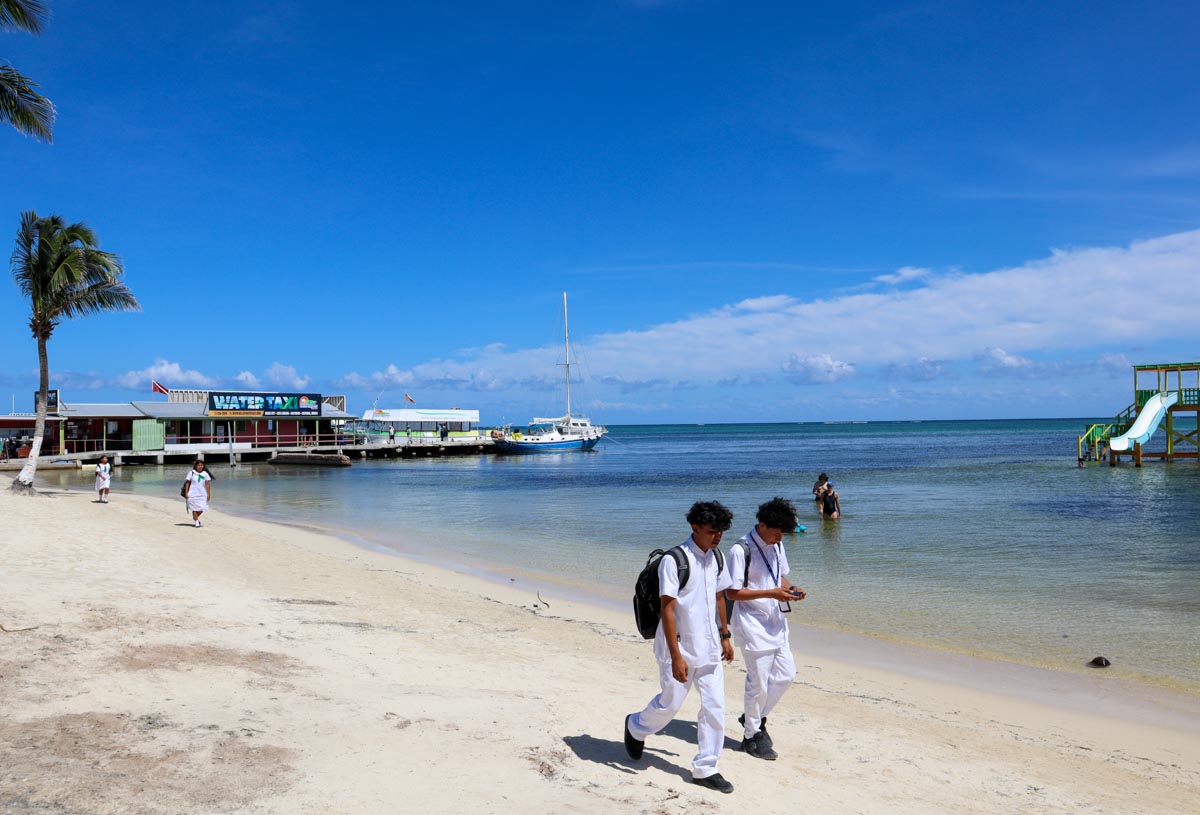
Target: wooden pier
column 401, row 448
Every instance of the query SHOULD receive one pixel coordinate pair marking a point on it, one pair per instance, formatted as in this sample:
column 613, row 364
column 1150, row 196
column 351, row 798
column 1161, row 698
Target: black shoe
column 632, row 745
column 759, row 748
column 714, row 782
column 762, row 730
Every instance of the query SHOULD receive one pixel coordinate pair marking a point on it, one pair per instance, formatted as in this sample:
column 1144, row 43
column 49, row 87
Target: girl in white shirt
column 198, row 490
column 103, row 479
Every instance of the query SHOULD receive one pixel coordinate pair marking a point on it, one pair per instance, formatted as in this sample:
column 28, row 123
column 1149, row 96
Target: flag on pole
column 157, row 388
column 408, row 398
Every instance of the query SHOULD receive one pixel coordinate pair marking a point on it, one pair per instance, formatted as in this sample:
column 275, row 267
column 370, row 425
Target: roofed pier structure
column 243, row 426
column 1166, row 395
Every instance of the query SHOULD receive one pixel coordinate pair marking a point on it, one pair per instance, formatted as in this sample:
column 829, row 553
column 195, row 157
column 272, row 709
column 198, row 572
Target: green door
column 147, row 435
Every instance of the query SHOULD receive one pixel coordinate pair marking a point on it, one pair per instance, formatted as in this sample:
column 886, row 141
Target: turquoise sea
column 980, row 537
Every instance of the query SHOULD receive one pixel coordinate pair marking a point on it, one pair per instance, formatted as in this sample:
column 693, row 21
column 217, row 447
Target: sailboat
column 571, row 431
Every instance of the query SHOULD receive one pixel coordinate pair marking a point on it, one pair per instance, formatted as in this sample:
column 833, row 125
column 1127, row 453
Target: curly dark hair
column 710, row 513
column 778, row 513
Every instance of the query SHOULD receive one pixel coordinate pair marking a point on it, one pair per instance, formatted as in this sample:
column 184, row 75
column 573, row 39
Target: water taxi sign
column 302, row 405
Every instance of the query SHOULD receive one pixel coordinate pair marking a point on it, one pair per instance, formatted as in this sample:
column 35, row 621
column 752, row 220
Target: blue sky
column 775, row 211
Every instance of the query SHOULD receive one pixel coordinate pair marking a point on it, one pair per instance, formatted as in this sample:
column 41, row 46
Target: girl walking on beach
column 103, row 479
column 198, row 490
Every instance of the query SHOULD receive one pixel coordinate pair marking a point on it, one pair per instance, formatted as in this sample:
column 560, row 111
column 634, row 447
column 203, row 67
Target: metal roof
column 198, row 410
column 98, row 411
column 1167, row 366
column 171, row 410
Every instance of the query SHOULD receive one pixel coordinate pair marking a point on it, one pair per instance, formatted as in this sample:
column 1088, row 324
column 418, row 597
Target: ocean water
column 979, row 537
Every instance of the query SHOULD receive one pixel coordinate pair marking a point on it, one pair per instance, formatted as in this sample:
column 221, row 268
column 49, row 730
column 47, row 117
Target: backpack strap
column 745, row 547
column 681, row 564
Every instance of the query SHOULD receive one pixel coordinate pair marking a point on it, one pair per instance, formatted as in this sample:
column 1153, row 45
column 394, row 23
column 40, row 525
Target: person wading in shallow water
column 831, row 506
column 819, row 486
column 692, row 639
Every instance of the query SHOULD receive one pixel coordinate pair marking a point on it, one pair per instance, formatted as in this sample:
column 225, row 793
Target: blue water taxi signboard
column 301, row 405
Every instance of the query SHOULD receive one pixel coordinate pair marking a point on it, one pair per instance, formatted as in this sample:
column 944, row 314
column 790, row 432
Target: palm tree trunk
column 24, row 482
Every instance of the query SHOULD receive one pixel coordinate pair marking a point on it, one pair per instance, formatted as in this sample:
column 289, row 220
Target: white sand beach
column 251, row 667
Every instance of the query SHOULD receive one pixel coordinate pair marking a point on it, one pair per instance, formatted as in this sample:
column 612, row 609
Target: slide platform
column 1146, row 423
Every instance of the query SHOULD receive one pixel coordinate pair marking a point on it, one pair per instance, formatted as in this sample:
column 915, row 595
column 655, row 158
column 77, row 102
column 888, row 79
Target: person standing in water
column 831, row 507
column 822, row 480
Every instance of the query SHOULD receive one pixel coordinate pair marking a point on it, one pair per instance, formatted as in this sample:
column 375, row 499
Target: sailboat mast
column 567, row 354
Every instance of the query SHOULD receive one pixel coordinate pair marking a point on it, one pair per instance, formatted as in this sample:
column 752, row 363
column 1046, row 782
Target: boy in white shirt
column 692, row 639
column 763, row 596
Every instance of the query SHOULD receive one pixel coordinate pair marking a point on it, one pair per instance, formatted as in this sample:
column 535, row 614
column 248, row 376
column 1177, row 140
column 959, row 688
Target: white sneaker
column 197, row 524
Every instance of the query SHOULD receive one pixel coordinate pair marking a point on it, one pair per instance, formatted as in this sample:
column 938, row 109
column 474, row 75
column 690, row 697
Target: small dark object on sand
column 1099, row 662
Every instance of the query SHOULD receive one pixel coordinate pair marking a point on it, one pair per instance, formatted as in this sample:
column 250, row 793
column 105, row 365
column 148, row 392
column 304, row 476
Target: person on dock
column 692, row 639
column 198, row 491
column 103, row 479
column 831, row 505
column 762, row 596
column 391, row 434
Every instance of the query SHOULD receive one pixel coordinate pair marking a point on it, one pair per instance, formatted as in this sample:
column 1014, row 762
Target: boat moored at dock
column 568, row 432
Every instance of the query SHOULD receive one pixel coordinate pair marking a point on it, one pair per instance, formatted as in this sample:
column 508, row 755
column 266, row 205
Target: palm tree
column 20, row 103
column 62, row 271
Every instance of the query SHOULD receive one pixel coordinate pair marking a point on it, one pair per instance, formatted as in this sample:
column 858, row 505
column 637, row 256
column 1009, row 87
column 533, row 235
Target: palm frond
column 109, row 295
column 23, row 15
column 24, row 252
column 63, row 273
column 23, row 107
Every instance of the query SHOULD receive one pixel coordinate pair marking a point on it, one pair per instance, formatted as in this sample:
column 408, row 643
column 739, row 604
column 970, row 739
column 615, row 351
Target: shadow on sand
column 612, row 753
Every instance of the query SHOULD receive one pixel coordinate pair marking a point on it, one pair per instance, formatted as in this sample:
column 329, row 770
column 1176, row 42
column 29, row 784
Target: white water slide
column 1147, row 421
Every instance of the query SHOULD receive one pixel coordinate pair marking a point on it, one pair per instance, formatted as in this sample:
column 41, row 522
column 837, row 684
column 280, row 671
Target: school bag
column 647, row 601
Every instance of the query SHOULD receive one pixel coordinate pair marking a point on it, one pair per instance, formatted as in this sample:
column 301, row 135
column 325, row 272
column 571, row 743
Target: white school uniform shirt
column 759, row 625
column 198, row 480
column 695, row 606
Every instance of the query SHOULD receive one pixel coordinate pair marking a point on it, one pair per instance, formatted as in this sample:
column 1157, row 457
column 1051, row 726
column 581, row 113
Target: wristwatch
column 726, row 635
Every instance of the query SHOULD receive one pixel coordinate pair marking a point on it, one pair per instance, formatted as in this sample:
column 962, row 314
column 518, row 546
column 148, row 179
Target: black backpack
column 647, row 601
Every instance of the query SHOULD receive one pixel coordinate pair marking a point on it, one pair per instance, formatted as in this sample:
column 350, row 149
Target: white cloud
column 921, row 370
column 1010, row 320
column 352, row 380
column 248, row 379
column 994, row 360
column 904, row 274
column 1115, row 363
column 285, row 376
column 168, row 373
column 817, row 368
column 392, row 376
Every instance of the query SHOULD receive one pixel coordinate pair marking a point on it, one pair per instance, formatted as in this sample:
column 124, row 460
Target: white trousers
column 768, row 676
column 710, row 721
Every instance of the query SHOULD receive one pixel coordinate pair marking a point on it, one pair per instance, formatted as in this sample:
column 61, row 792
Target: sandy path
column 246, row 667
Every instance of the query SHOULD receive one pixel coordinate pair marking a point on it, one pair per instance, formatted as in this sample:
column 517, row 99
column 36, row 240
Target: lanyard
column 773, row 572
